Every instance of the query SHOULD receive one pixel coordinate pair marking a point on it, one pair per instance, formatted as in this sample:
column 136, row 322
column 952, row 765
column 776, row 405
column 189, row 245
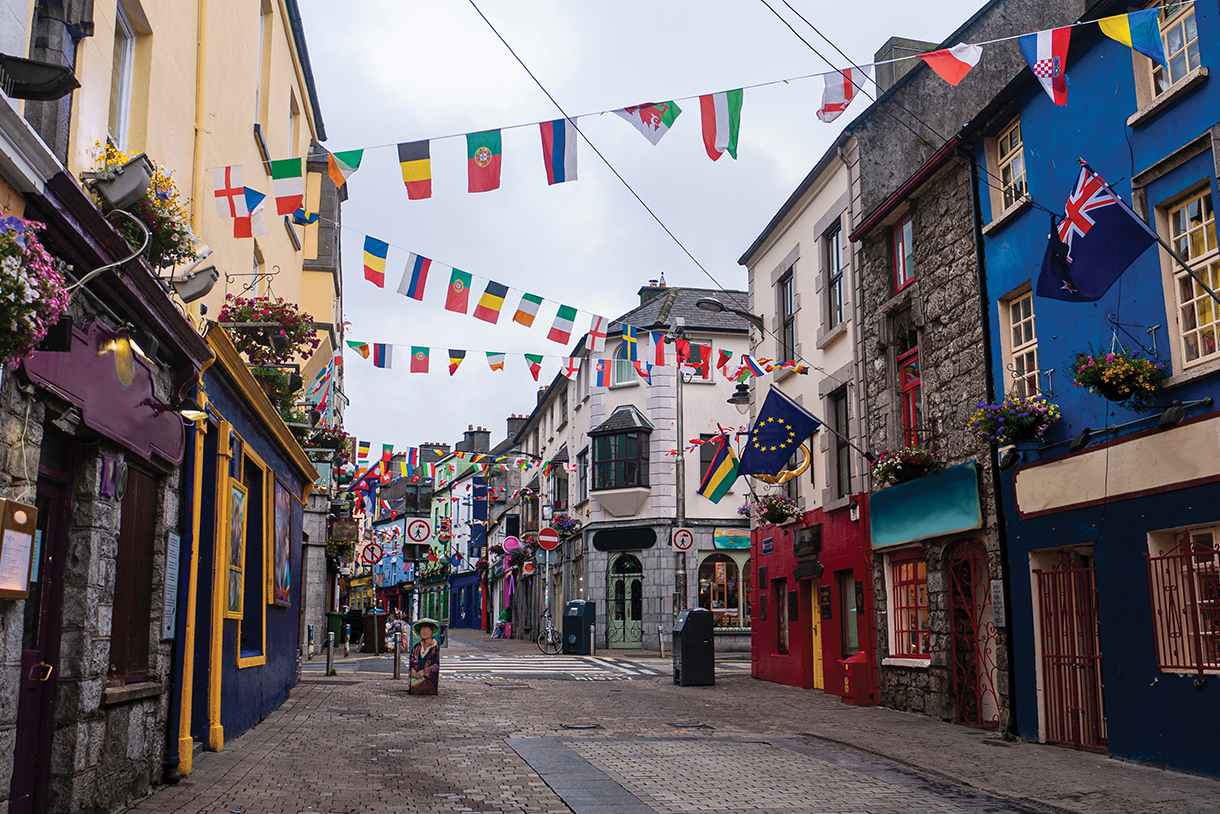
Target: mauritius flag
column 721, row 472
column 483, row 160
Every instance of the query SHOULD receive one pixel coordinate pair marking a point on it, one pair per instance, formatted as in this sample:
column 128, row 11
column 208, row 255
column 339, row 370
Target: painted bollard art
column 425, row 658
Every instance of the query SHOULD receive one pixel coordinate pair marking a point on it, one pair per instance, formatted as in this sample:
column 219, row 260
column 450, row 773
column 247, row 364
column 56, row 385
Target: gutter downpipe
column 1010, row 730
column 198, row 192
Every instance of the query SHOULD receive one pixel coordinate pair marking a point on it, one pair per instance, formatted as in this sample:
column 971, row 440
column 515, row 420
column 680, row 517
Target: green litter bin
column 334, row 624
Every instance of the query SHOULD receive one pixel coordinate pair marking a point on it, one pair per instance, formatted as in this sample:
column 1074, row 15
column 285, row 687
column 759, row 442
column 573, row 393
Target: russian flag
column 752, row 365
column 559, row 150
column 415, row 277
column 1047, row 55
column 382, row 355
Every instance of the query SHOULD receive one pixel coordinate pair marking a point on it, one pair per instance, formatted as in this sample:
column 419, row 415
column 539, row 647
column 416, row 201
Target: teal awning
column 931, row 506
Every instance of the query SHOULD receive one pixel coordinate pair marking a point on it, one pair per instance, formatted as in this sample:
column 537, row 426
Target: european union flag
column 1098, row 238
column 781, row 427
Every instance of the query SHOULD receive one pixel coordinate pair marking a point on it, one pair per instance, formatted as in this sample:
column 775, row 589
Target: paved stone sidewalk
column 359, row 743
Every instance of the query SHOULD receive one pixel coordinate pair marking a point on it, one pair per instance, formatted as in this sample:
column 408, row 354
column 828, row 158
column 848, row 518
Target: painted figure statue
column 425, row 658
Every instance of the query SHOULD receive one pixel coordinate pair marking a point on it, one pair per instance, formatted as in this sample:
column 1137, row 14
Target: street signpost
column 419, row 530
column 683, row 539
column 548, row 539
column 510, row 543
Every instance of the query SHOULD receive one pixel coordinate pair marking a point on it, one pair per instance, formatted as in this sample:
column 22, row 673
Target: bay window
column 620, row 460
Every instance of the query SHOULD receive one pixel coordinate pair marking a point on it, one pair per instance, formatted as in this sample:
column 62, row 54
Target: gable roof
column 623, row 419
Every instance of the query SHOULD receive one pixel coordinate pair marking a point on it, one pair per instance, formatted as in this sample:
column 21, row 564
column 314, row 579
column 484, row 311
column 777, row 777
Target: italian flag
column 535, row 362
column 561, row 329
column 288, row 182
column 721, row 114
column 653, row 120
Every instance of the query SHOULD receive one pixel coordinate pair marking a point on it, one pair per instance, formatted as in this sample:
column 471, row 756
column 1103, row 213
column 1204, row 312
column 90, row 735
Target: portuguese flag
column 483, row 160
column 458, row 298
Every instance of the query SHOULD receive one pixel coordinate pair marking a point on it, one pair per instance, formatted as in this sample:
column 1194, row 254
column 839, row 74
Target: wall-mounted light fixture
column 741, row 398
column 1009, row 457
column 1080, row 441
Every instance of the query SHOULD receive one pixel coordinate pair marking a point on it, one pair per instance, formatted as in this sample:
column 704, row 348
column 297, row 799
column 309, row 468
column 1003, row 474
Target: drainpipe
column 198, row 193
column 1010, row 731
column 171, row 770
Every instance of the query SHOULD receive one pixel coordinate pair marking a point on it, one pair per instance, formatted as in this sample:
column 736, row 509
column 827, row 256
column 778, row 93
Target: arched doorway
column 974, row 636
column 625, row 627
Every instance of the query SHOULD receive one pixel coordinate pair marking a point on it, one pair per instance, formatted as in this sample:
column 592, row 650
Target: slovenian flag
column 1139, row 30
column 721, row 115
column 1047, row 55
column 602, row 377
column 559, row 150
column 415, row 277
column 419, row 359
column 288, row 182
column 535, row 363
column 375, row 252
column 488, row 308
column 561, row 329
column 382, row 354
column 952, row 64
column 458, row 298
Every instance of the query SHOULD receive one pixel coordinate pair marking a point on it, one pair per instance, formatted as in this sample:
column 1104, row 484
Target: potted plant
column 1016, row 418
column 565, row 524
column 905, row 464
column 496, row 549
column 1120, row 376
column 325, row 437
column 32, row 293
column 159, row 208
column 771, row 509
column 260, row 318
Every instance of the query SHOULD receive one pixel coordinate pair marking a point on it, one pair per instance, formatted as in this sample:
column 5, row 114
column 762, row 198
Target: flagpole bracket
column 231, row 279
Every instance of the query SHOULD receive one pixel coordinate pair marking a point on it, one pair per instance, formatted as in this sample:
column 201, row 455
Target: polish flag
column 841, row 88
column 952, row 64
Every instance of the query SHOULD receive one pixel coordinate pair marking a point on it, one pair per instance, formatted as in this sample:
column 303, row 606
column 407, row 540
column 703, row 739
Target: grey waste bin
column 694, row 648
column 578, row 616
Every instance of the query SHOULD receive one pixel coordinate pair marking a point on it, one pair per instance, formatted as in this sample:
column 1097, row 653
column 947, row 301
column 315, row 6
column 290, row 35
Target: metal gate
column 974, row 637
column 1071, row 654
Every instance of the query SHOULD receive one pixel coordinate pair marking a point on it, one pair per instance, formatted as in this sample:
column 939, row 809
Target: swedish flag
column 781, row 427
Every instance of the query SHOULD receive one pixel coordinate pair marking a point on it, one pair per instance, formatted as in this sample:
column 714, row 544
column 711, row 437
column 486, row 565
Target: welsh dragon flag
column 653, row 119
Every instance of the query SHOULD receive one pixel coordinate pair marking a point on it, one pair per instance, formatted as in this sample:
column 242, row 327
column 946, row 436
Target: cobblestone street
column 359, row 743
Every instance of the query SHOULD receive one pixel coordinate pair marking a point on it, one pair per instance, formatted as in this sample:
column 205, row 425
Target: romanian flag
column 495, row 360
column 721, row 472
column 535, row 363
column 340, row 166
column 374, row 260
column 361, row 348
column 288, row 183
column 483, row 160
column 455, row 359
column 458, row 298
column 561, row 330
column 415, row 277
column 1139, row 30
column 527, row 310
column 491, row 302
column 419, row 360
column 416, row 163
column 383, row 355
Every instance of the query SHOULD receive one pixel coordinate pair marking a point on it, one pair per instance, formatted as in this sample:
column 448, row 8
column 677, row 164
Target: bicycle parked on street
column 550, row 640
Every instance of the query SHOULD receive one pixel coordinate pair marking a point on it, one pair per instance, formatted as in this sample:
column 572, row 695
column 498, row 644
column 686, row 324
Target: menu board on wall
column 16, row 548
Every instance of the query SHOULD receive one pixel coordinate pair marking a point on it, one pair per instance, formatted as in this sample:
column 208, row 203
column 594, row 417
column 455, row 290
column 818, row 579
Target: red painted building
column 813, row 603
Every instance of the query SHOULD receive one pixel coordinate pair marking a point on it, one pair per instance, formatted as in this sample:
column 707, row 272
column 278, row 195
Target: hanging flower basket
column 905, row 464
column 565, row 524
column 160, row 209
column 1120, row 376
column 1014, row 419
column 32, row 293
column 328, row 438
column 771, row 510
column 274, row 316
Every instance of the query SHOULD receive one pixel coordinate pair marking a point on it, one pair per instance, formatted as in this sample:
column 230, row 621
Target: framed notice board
column 17, row 527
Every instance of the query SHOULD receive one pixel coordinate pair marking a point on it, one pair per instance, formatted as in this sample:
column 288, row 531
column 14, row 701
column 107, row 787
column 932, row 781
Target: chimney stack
column 476, row 440
column 898, row 48
column 654, row 289
column 515, row 424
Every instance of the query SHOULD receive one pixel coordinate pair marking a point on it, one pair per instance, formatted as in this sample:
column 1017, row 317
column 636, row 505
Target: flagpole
column 1164, row 245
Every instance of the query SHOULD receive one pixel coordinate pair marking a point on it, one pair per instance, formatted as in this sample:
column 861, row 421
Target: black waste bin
column 578, row 616
column 694, row 648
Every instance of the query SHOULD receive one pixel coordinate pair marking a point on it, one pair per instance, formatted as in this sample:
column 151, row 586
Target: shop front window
column 719, row 590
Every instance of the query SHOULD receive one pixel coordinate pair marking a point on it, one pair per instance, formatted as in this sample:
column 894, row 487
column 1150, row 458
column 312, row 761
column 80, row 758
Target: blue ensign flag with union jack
column 1097, row 239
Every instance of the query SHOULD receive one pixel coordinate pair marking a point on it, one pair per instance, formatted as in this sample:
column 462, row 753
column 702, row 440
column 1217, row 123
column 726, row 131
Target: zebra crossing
column 574, row 668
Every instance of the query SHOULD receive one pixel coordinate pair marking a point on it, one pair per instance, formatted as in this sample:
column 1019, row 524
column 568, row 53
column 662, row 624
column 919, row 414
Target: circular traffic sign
column 510, row 543
column 419, row 530
column 372, row 554
column 527, row 569
column 684, row 539
column 548, row 539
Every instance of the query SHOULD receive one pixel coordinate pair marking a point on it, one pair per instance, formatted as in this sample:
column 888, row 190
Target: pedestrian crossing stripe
column 580, row 667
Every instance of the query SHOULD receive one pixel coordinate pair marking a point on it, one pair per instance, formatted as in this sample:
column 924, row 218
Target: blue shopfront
column 466, row 599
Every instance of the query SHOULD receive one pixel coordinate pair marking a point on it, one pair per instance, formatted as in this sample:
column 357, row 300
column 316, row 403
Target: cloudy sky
column 402, row 70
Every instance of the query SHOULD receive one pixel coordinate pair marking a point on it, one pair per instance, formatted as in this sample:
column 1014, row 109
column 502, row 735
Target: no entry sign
column 548, row 538
column 683, row 539
column 419, row 530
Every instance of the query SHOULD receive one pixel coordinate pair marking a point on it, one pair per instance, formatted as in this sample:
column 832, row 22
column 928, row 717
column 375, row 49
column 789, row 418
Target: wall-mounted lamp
column 124, row 185
column 1009, row 457
column 741, row 398
column 854, row 508
column 1080, row 441
column 1176, row 411
column 197, row 280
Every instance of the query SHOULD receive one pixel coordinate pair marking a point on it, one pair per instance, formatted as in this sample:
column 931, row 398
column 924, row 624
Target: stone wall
column 315, row 578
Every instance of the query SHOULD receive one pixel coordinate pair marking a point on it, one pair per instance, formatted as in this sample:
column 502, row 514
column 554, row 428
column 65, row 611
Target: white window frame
column 623, row 372
column 1011, row 157
column 1174, row 19
column 125, row 56
column 1197, row 316
column 1019, row 342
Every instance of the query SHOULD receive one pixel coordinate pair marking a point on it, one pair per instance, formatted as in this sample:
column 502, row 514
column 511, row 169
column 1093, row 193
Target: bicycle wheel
column 549, row 641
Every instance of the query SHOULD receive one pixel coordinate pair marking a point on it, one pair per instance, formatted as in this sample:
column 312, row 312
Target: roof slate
column 660, row 312
column 624, row 418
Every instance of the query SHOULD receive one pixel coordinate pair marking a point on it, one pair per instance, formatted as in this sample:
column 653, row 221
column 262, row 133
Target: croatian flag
column 382, row 355
column 559, row 150
column 603, row 373
column 1047, row 55
column 645, row 371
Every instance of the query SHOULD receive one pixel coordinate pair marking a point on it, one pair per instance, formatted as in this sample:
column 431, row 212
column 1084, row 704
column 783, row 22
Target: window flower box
column 903, row 465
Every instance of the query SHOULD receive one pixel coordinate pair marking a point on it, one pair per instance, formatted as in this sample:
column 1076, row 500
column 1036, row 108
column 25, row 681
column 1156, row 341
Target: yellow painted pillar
column 186, row 743
column 220, row 571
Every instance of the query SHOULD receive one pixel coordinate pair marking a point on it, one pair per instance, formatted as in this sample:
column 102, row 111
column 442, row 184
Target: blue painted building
column 1113, row 524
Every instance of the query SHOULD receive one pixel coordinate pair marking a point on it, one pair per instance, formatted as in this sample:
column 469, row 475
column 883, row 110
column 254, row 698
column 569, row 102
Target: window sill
column 131, row 692
column 903, row 661
column 1184, row 87
column 1001, row 220
column 831, row 335
column 617, row 385
column 1193, row 373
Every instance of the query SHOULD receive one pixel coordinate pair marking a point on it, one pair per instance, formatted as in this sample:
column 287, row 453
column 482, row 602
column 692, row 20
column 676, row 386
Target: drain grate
column 580, row 726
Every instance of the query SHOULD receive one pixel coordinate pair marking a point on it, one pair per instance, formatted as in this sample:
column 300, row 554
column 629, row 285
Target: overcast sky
column 402, row 70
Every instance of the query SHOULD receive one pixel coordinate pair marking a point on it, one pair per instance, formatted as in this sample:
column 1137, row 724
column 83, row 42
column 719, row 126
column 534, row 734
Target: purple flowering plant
column 1120, row 376
column 898, row 465
column 32, row 292
column 774, row 509
column 565, row 524
column 1016, row 418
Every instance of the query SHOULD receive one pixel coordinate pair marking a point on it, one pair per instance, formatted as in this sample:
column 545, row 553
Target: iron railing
column 1185, row 592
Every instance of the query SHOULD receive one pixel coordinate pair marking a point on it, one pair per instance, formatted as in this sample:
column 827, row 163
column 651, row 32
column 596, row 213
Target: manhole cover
column 581, row 726
column 680, row 725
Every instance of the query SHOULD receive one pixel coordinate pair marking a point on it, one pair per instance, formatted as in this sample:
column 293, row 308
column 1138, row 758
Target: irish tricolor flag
column 653, row 120
column 721, row 113
column 288, row 182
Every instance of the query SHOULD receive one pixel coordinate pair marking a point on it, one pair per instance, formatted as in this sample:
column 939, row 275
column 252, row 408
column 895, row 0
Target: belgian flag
column 416, row 161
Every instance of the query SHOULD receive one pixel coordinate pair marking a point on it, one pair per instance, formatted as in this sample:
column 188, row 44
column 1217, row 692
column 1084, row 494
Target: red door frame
column 36, row 701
